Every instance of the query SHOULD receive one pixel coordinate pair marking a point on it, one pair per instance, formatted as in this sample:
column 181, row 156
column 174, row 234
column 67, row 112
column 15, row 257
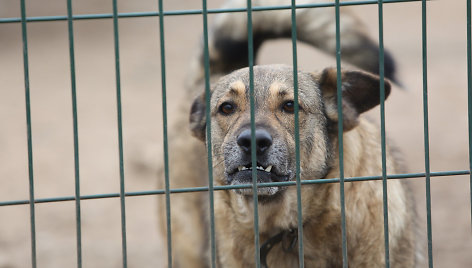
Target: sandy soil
column 142, row 119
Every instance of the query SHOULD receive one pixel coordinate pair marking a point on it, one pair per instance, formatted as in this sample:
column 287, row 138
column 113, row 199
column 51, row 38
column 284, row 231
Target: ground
column 53, row 155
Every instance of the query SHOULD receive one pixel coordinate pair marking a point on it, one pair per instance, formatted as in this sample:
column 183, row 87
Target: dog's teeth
column 268, row 169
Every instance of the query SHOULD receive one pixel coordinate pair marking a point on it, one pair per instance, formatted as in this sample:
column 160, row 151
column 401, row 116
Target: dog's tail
column 228, row 46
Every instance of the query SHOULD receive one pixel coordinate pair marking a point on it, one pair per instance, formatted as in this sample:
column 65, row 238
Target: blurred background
column 51, row 109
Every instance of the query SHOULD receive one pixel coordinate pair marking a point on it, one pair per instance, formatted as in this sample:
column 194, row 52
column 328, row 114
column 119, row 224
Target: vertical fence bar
column 164, row 126
column 340, row 135
column 426, row 135
column 469, row 90
column 28, row 133
column 301, row 260
column 382, row 133
column 76, row 134
column 208, row 135
column 120, row 134
column 253, row 133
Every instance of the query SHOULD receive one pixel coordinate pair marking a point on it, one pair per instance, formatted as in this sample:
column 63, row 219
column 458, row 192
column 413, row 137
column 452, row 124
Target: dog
column 275, row 150
column 230, row 131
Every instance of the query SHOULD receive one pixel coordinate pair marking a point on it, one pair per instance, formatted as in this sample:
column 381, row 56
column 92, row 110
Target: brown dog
column 231, row 138
column 275, row 144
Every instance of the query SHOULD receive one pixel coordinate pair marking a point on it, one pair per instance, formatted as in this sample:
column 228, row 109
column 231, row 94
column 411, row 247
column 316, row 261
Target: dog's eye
column 288, row 107
column 227, row 108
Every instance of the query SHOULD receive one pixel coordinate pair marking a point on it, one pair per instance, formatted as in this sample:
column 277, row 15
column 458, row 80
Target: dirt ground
column 142, row 123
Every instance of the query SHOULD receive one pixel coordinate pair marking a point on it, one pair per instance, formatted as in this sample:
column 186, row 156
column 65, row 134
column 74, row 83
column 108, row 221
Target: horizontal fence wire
column 232, row 187
column 195, row 11
column 29, row 134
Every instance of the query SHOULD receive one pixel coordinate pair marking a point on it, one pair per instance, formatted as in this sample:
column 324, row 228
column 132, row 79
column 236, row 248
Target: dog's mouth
column 265, row 174
column 259, row 167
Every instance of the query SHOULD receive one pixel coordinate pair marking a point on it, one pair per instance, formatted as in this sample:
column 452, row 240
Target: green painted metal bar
column 253, row 133
column 382, row 134
column 244, row 186
column 196, row 11
column 120, row 133
column 301, row 260
column 426, row 132
column 208, row 135
column 29, row 134
column 469, row 95
column 340, row 135
column 76, row 133
column 164, row 126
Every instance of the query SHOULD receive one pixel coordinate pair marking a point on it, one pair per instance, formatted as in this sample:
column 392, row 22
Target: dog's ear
column 198, row 117
column 360, row 93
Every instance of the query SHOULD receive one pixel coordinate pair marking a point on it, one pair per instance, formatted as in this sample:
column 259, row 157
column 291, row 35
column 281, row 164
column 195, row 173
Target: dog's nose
column 263, row 140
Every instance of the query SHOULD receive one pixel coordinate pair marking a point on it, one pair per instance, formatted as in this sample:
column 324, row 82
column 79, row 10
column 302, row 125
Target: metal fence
column 162, row 13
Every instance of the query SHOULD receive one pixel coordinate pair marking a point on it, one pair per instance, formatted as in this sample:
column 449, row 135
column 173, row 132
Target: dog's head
column 275, row 122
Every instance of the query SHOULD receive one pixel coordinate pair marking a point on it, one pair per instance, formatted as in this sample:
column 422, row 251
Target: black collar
column 288, row 238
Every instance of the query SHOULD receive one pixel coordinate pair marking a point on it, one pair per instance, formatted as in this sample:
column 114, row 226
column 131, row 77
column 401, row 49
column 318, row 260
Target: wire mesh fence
column 162, row 14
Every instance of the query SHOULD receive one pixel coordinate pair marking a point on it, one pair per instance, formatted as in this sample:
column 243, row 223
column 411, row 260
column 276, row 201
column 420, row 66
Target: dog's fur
column 273, row 86
column 319, row 159
column 315, row 26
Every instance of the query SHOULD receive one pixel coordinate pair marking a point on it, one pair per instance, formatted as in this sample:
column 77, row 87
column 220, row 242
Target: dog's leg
column 189, row 211
column 315, row 26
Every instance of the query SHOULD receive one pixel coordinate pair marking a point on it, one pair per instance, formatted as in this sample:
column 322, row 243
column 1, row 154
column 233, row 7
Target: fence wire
column 298, row 183
column 28, row 134
column 208, row 135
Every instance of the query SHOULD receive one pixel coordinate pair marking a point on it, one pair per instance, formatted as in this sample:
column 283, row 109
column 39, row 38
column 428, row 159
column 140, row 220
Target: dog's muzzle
column 264, row 175
column 266, row 171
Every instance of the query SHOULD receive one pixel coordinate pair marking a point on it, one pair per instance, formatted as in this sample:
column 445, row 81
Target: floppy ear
column 360, row 93
column 198, row 117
